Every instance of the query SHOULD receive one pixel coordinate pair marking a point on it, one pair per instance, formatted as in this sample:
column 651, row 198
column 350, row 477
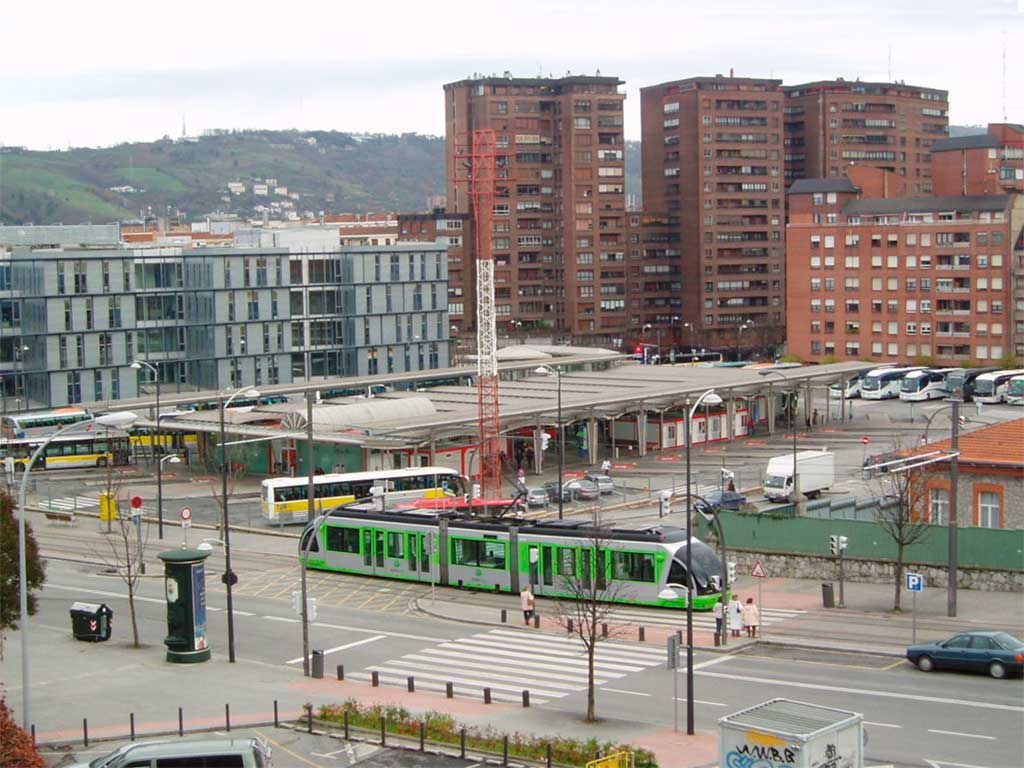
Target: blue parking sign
column 914, row 581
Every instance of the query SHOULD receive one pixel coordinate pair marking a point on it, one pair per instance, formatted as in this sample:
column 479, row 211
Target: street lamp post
column 173, row 458
column 739, row 336
column 228, row 577
column 710, row 398
column 19, row 374
column 121, row 420
column 547, row 370
column 792, row 428
column 692, row 348
column 156, row 438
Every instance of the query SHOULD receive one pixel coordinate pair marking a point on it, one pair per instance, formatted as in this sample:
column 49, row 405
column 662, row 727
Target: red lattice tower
column 483, row 172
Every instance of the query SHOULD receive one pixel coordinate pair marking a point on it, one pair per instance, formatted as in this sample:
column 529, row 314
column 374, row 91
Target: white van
column 192, row 753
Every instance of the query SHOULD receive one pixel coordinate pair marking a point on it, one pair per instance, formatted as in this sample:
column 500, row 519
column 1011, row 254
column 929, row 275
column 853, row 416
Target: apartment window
column 581, row 123
column 989, row 509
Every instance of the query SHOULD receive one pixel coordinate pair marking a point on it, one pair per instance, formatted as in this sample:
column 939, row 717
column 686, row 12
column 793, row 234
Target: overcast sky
column 95, row 74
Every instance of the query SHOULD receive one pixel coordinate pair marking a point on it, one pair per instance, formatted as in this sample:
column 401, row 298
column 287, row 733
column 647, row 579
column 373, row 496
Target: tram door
column 547, row 565
column 378, row 548
column 368, row 549
column 418, row 555
column 534, row 561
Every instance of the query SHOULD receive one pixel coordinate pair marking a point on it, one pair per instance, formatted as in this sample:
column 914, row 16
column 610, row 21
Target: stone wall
column 872, row 571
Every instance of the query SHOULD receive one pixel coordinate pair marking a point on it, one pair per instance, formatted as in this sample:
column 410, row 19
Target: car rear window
column 1007, row 641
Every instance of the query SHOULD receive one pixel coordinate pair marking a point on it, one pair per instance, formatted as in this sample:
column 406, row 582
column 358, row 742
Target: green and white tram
column 425, row 546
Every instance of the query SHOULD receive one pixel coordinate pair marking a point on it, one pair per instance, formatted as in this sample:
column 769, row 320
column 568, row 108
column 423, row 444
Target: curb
column 836, row 647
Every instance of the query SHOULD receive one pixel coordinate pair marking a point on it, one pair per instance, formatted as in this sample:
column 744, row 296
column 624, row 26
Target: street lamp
column 173, row 458
column 19, row 358
column 792, row 428
column 229, row 577
column 138, row 365
column 121, row 420
column 739, row 335
column 547, row 370
column 707, row 398
column 690, row 326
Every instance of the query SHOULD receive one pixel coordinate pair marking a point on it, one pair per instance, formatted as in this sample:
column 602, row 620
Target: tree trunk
column 131, row 612
column 591, row 705
column 899, row 574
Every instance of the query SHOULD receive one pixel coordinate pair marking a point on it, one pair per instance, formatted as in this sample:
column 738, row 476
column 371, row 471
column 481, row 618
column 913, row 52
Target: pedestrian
column 814, row 418
column 521, row 475
column 606, row 467
column 735, row 616
column 732, row 485
column 337, row 469
column 751, row 617
column 528, row 603
column 718, row 611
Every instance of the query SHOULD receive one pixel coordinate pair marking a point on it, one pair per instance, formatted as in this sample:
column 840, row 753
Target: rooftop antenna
column 1004, row 74
column 890, row 63
column 184, row 133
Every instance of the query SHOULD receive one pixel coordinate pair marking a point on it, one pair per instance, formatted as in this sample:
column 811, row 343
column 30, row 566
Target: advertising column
column 185, row 588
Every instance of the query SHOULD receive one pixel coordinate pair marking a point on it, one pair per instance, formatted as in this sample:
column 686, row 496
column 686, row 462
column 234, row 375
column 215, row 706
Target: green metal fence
column 781, row 532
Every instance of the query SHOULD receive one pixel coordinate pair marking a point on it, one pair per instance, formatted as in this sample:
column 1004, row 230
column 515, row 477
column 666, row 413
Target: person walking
column 606, row 467
column 718, row 611
column 751, row 617
column 735, row 616
column 528, row 603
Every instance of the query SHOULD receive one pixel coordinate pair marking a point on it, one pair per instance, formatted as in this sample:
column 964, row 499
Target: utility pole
column 954, row 481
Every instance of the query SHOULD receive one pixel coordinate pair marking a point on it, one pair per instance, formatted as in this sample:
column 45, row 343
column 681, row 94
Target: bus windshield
column 871, row 383
column 984, row 386
column 1016, row 387
column 914, row 384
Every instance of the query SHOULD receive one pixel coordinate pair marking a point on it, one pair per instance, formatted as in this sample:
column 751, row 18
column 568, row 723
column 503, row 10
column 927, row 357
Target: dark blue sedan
column 997, row 653
column 717, row 500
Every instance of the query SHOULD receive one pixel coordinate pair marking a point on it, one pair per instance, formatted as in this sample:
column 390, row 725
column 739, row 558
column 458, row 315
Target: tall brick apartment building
column 983, row 164
column 897, row 279
column 560, row 221
column 712, row 162
column 831, row 124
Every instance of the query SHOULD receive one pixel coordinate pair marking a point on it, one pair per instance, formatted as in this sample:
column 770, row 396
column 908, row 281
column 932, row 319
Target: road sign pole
column 760, row 603
column 842, row 602
column 913, row 620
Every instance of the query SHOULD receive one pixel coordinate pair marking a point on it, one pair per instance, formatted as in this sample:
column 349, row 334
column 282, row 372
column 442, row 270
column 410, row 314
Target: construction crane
column 483, row 172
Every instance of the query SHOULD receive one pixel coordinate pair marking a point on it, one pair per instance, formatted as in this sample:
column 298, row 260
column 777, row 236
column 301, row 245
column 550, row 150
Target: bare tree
column 126, row 543
column 900, row 514
column 592, row 598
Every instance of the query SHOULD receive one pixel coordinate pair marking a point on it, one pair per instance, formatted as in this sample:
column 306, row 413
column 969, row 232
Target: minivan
column 198, row 753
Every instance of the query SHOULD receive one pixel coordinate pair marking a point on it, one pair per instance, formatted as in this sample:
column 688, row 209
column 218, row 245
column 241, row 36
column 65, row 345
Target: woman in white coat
column 735, row 616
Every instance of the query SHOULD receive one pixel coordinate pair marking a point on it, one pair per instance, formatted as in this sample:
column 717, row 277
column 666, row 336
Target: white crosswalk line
column 458, row 690
column 509, row 662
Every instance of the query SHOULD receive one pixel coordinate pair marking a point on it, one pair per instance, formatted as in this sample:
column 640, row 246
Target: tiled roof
column 809, row 186
column 998, row 445
column 926, row 204
column 972, row 141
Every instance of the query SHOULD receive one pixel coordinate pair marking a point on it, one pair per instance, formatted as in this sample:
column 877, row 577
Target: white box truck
column 793, row 734
column 816, row 472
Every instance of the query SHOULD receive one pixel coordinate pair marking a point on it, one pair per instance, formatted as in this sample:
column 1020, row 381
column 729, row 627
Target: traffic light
column 833, row 544
column 962, row 420
column 297, row 602
column 311, row 608
column 732, row 573
column 545, row 440
column 842, row 543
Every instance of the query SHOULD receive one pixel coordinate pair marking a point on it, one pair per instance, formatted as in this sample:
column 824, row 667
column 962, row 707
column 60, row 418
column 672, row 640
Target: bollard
column 536, row 621
column 383, row 730
column 341, row 671
column 374, row 679
column 227, row 717
column 277, row 721
column 85, row 732
column 568, row 626
column 33, row 734
column 526, row 698
column 641, row 630
column 487, row 695
column 604, row 630
column 309, row 718
column 462, row 743
column 131, row 726
column 549, row 755
column 411, row 684
column 346, row 725
column 423, row 736
column 449, row 691
column 718, row 639
column 504, row 751
column 181, row 722
column 504, row 615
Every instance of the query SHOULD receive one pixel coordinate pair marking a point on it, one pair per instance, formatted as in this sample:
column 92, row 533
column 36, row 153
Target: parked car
column 603, row 482
column 536, row 497
column 998, row 653
column 244, row 753
column 552, row 492
column 583, row 489
column 725, row 500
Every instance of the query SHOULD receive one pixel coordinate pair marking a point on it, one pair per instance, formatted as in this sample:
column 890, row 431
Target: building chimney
column 730, row 72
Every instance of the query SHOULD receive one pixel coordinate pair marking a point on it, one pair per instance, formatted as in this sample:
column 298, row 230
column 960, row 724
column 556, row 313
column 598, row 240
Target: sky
column 96, row 74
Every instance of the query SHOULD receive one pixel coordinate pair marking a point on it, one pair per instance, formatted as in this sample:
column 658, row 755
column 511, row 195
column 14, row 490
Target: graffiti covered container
column 791, row 734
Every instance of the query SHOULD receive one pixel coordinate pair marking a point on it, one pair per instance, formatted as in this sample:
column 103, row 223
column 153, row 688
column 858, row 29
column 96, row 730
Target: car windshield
column 775, row 481
column 1007, row 641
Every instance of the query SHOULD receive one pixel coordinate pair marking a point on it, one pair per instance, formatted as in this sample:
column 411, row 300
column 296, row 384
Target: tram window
column 566, row 561
column 424, row 554
column 343, row 539
column 412, row 551
column 602, row 569
column 677, row 574
column 367, row 547
column 633, row 566
column 378, row 546
column 396, row 544
column 479, row 554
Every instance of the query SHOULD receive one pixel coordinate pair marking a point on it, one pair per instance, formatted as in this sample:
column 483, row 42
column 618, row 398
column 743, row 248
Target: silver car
column 603, row 482
column 536, row 497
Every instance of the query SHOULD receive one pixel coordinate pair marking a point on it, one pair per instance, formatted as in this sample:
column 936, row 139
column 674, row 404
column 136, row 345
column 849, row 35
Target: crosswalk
column 69, row 503
column 509, row 662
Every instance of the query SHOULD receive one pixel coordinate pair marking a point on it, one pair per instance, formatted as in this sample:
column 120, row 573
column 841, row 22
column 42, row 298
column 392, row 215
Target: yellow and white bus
column 19, row 426
column 286, row 499
column 67, row 452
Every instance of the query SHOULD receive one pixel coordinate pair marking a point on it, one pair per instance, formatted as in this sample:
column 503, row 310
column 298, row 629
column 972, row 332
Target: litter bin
column 91, row 621
column 316, row 667
column 828, row 598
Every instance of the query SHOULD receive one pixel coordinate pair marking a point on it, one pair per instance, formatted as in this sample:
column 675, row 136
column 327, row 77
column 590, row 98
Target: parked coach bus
column 928, row 384
column 991, row 387
column 1015, row 392
column 960, row 382
column 883, row 383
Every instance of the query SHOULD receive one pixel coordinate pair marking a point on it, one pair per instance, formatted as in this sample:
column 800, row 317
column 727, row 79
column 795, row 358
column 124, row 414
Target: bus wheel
column 101, row 461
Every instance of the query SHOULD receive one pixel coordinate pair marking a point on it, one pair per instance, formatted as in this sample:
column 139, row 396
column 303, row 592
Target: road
column 913, row 717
